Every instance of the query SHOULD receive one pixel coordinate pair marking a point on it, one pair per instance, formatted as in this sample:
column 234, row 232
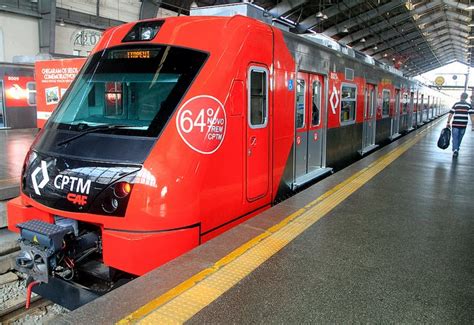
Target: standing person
column 459, row 114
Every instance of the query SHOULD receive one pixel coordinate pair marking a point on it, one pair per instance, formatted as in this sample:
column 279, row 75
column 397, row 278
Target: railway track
column 19, row 310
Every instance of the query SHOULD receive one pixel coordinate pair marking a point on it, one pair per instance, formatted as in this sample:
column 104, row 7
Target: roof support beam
column 285, row 7
column 332, row 11
column 378, row 11
column 375, row 28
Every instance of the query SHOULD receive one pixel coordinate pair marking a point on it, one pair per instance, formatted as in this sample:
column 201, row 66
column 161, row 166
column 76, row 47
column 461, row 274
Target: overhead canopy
column 415, row 36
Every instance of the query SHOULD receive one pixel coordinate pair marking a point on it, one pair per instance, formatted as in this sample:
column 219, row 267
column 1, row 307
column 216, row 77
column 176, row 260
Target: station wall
column 19, row 35
column 124, row 10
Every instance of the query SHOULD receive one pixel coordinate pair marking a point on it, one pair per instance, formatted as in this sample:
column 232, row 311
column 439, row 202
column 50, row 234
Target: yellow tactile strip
column 188, row 298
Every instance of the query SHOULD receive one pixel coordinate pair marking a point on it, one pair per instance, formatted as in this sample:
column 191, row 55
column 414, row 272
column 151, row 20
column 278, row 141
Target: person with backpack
column 459, row 115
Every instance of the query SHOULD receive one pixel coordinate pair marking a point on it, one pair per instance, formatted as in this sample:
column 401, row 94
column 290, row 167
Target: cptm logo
column 44, row 170
column 78, row 185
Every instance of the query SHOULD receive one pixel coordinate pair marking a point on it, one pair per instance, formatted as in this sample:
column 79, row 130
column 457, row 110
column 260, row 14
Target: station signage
column 53, row 78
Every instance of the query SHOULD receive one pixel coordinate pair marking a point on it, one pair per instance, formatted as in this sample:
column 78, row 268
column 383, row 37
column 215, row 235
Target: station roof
column 414, row 36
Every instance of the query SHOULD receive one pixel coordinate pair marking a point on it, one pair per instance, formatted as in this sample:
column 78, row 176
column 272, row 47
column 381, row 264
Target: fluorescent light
column 470, row 8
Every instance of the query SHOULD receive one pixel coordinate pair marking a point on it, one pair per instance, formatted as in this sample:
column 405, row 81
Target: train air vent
column 144, row 31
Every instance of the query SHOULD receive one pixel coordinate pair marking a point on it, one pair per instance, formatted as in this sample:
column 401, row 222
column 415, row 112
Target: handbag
column 444, row 138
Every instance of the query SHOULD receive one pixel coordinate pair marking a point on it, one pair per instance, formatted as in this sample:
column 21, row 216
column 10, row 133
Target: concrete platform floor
column 14, row 145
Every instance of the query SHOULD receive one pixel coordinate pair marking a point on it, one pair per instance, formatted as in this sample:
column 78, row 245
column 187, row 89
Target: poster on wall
column 19, row 91
column 53, row 78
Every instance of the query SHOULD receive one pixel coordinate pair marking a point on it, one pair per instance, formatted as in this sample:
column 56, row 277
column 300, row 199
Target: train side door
column 258, row 134
column 368, row 128
column 2, row 111
column 395, row 130
column 316, row 117
column 310, row 135
column 411, row 109
column 301, row 141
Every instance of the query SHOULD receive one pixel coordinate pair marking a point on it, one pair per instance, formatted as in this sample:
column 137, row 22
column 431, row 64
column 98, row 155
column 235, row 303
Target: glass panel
column 300, row 103
column 31, row 88
column 258, row 97
column 316, row 103
column 348, row 92
column 405, row 103
column 385, row 102
column 348, row 103
column 136, row 87
column 113, row 99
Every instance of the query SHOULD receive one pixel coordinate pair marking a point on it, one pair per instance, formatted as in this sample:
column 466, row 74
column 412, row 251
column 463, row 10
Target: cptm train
column 178, row 129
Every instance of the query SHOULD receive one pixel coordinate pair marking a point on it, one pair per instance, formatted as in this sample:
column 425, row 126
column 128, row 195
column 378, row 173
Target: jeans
column 458, row 133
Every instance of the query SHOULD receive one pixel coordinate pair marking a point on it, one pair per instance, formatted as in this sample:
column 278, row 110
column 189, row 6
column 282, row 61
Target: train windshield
column 136, row 88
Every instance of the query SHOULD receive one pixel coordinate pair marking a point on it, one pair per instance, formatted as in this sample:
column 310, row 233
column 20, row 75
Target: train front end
column 97, row 204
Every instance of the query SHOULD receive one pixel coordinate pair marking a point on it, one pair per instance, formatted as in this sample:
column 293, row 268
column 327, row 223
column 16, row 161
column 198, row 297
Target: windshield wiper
column 91, row 130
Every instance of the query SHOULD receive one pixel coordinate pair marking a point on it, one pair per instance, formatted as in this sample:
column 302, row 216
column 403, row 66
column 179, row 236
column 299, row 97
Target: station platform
column 387, row 239
column 14, row 145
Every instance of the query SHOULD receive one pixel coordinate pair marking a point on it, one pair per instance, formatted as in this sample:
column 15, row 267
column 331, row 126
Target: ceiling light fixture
column 362, row 40
column 385, row 55
column 319, row 14
column 375, row 47
column 345, row 30
column 61, row 23
column 325, row 17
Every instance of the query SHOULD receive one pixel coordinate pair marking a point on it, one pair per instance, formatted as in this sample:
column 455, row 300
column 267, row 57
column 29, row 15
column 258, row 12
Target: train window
column 405, row 103
column 258, row 93
column 348, row 104
column 136, row 86
column 385, row 102
column 31, row 89
column 316, row 103
column 300, row 103
column 349, row 74
column 113, row 99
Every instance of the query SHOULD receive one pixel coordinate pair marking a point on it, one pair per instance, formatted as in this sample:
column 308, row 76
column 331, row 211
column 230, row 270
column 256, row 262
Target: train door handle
column 253, row 141
column 249, row 152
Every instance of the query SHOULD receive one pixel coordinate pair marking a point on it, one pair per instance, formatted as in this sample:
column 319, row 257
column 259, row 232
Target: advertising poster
column 19, row 91
column 52, row 80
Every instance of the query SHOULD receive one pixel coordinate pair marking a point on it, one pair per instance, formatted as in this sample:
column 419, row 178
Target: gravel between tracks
column 12, row 293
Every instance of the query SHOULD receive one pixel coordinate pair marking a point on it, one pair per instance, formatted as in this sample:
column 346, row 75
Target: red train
column 178, row 129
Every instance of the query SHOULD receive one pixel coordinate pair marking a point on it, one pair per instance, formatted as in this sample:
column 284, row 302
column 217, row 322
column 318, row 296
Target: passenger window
column 385, row 102
column 316, row 103
column 258, row 97
column 348, row 104
column 300, row 103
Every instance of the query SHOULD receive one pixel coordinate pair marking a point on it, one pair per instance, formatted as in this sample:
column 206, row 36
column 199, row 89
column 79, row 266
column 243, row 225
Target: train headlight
column 110, row 205
column 113, row 200
column 122, row 189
